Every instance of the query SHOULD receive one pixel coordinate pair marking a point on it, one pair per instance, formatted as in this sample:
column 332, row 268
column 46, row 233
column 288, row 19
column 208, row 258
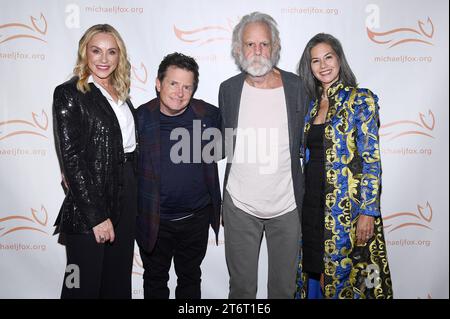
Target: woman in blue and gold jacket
column 343, row 249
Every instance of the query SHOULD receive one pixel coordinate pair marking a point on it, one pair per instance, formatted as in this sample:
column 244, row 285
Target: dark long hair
column 312, row 85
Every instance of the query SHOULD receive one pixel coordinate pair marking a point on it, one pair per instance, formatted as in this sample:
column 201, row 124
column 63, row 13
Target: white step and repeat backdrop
column 399, row 49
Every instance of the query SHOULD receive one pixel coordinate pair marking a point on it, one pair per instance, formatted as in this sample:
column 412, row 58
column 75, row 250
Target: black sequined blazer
column 89, row 146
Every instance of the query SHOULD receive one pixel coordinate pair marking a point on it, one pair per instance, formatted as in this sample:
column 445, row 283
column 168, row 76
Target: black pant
column 105, row 269
column 185, row 241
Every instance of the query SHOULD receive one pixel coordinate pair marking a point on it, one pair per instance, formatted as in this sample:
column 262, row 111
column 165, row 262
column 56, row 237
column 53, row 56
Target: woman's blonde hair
column 120, row 78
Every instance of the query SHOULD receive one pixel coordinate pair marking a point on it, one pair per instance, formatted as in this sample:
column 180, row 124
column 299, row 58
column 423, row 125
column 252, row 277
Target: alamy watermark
column 73, row 278
column 260, row 146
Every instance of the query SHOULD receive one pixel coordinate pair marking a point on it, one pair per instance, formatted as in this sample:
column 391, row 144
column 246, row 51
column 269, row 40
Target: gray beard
column 260, row 68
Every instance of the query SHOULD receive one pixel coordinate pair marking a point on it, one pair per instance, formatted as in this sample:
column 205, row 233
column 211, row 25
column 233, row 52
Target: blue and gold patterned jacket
column 352, row 188
column 352, row 150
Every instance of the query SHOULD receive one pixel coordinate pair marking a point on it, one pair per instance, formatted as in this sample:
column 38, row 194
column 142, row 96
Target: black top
column 313, row 205
column 183, row 187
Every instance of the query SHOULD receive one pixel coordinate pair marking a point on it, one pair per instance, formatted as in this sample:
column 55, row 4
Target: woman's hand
column 104, row 232
column 364, row 229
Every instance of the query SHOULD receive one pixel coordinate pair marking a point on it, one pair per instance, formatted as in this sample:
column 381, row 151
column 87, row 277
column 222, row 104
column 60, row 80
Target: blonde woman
column 96, row 143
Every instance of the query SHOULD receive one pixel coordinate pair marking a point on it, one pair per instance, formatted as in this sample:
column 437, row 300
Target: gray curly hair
column 236, row 45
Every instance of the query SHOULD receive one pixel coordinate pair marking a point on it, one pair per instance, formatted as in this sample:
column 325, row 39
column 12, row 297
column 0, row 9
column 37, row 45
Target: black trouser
column 105, row 269
column 185, row 241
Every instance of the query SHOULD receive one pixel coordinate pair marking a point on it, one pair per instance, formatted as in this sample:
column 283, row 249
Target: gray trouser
column 243, row 236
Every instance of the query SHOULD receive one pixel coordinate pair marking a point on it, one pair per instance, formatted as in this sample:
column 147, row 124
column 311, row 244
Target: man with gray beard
column 263, row 184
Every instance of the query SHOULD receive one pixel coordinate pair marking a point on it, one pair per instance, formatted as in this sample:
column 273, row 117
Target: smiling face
column 325, row 64
column 175, row 90
column 102, row 54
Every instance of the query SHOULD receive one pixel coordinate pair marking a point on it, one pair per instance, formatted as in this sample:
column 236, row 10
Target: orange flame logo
column 395, row 129
column 140, row 76
column 34, row 221
column 39, row 124
column 137, row 264
column 33, row 31
column 206, row 34
column 424, row 216
column 398, row 36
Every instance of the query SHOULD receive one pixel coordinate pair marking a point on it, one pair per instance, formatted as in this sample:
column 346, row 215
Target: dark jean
column 185, row 241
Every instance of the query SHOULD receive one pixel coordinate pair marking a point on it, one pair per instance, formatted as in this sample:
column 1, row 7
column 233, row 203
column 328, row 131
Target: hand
column 364, row 229
column 104, row 232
